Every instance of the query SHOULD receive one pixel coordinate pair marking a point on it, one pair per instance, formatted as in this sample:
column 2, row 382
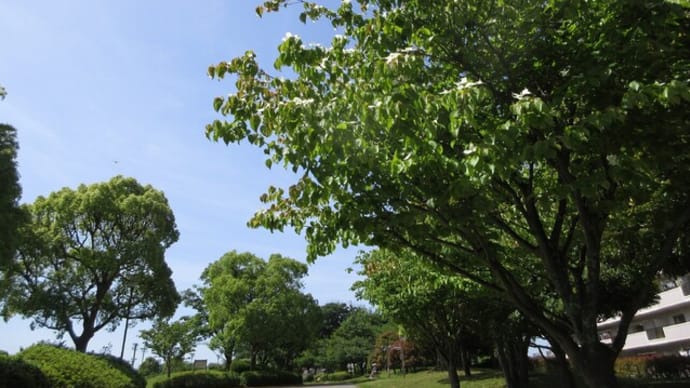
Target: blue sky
column 98, row 88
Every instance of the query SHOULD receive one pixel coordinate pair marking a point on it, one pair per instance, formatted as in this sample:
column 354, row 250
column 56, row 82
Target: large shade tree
column 259, row 306
column 227, row 286
column 488, row 135
column 94, row 256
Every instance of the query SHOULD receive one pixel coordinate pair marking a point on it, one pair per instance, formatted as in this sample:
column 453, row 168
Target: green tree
column 450, row 313
column 333, row 315
column 354, row 340
column 11, row 214
column 93, row 257
column 496, row 136
column 393, row 350
column 280, row 328
column 259, row 305
column 172, row 341
column 423, row 302
column 227, row 287
column 149, row 367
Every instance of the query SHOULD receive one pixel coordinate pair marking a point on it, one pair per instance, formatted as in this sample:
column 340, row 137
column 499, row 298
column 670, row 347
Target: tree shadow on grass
column 477, row 375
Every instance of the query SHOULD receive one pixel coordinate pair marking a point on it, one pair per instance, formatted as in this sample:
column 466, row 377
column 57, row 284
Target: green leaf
column 255, row 121
column 217, row 103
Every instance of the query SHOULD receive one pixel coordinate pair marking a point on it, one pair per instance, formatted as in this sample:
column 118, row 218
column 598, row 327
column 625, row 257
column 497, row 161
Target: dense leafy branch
column 536, row 141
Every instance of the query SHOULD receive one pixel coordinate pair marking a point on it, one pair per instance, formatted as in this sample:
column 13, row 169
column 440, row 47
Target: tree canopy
column 333, row 315
column 172, row 340
column 11, row 215
column 353, row 341
column 258, row 305
column 93, row 257
column 499, row 137
column 451, row 314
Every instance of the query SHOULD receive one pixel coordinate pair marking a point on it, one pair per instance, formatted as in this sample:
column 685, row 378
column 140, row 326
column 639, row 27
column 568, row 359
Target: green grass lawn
column 433, row 379
column 480, row 379
column 488, row 379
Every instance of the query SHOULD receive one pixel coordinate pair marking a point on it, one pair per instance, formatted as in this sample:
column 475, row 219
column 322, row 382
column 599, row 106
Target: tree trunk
column 453, row 373
column 168, row 366
column 228, row 359
column 565, row 375
column 466, row 362
column 81, row 342
column 252, row 359
column 448, row 359
column 592, row 360
column 512, row 356
column 595, row 365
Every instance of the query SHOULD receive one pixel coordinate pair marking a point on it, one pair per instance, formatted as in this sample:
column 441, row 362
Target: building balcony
column 677, row 332
column 669, row 300
column 657, row 337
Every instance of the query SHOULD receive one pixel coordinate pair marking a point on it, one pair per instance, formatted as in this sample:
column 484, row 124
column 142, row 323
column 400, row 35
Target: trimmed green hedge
column 69, row 368
column 15, row 372
column 125, row 367
column 205, row 379
column 268, row 378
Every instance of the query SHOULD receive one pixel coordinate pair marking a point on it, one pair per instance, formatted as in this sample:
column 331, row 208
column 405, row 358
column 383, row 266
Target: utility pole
column 124, row 337
column 134, row 353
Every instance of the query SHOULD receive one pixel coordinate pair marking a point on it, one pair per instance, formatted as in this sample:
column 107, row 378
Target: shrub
column 240, row 365
column 69, row 368
column 544, row 365
column 124, row 367
column 207, row 379
column 14, row 372
column 635, row 367
column 662, row 367
column 335, row 376
column 268, row 378
column 307, row 377
column 150, row 366
column 216, row 366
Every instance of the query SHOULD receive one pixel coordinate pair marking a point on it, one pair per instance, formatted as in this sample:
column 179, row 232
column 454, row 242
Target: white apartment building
column 663, row 328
